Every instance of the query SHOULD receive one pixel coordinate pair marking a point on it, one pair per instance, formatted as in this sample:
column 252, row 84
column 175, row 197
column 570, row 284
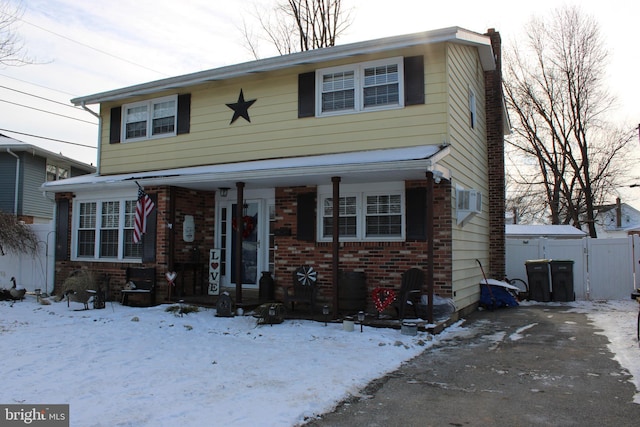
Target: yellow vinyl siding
column 469, row 161
column 275, row 130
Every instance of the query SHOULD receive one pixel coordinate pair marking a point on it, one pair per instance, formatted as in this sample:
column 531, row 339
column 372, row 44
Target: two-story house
column 371, row 157
column 23, row 169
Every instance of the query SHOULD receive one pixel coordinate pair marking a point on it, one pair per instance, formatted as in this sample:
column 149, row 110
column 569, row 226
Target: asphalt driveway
column 534, row 365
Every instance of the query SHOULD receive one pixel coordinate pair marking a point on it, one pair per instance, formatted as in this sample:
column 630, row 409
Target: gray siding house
column 23, row 170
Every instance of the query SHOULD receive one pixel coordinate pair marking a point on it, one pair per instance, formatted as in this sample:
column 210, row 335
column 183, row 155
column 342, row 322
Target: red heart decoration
column 383, row 298
column 215, row 265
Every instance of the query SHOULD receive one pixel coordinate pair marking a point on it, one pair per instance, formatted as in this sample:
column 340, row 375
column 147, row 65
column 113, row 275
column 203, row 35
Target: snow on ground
column 125, row 366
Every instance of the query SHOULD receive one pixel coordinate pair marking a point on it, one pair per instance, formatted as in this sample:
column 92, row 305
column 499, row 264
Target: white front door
column 254, row 251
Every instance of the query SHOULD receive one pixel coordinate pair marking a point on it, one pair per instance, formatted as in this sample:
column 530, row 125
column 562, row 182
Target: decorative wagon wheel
column 306, row 276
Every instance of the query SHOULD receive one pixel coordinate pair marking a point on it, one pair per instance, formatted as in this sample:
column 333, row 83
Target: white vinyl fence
column 32, row 272
column 602, row 269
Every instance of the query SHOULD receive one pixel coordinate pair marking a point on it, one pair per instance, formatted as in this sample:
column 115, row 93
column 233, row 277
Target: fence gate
column 602, row 269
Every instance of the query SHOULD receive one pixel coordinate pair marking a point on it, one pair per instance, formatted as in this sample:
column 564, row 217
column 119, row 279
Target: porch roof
column 394, row 164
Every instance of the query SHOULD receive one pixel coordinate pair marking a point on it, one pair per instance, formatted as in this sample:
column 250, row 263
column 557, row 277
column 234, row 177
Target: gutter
column 17, row 187
column 93, row 113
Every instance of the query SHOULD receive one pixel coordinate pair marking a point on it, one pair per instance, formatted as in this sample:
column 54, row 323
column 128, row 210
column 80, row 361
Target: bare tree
column 555, row 91
column 12, row 51
column 15, row 236
column 298, row 25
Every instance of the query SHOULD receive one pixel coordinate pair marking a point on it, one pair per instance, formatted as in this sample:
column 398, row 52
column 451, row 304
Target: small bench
column 144, row 283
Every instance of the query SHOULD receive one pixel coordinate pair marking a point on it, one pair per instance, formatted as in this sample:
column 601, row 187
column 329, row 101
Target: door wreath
column 383, row 298
column 247, row 223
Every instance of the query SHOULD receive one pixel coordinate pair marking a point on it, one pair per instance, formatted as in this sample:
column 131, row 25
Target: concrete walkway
column 534, row 365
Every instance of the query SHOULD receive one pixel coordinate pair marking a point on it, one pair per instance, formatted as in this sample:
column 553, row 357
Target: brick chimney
column 495, row 142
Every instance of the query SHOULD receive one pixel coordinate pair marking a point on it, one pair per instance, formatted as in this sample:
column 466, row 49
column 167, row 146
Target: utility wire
column 73, row 95
column 92, row 48
column 49, row 139
column 43, row 98
column 48, row 112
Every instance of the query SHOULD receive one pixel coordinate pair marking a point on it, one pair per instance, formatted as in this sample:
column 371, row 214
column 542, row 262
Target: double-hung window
column 150, row 119
column 358, row 87
column 103, row 229
column 364, row 214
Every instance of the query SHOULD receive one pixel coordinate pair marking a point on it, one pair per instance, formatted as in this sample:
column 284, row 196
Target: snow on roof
column 522, row 230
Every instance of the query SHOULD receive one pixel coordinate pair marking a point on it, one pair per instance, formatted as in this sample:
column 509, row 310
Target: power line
column 48, row 112
column 73, row 95
column 93, row 48
column 43, row 98
column 49, row 139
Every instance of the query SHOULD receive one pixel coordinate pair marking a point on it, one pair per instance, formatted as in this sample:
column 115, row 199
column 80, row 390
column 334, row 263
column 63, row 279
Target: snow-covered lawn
column 125, row 366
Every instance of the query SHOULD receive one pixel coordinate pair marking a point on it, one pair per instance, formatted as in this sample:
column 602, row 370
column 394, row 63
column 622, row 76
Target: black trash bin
column 539, row 282
column 562, row 280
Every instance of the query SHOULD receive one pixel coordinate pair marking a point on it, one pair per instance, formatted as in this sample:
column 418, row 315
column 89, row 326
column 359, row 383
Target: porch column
column 336, row 242
column 238, row 249
column 430, row 231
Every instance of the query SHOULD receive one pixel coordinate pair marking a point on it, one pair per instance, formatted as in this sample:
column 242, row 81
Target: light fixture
column 272, row 314
column 325, row 313
column 361, row 319
column 224, row 191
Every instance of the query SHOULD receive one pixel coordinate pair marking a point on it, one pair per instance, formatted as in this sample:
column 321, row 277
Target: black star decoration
column 240, row 108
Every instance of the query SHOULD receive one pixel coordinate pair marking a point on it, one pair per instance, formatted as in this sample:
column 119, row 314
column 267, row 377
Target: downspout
column 93, row 113
column 17, row 187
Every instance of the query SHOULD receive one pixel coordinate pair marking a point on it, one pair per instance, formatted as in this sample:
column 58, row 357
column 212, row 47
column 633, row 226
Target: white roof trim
column 362, row 166
column 451, row 34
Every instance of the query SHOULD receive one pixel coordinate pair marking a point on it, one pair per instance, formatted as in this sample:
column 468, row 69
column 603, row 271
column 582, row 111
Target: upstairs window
column 149, row 119
column 54, row 172
column 472, row 109
column 359, row 87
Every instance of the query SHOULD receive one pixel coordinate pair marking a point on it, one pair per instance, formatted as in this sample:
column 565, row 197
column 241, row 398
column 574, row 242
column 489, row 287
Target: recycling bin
column 539, row 280
column 562, row 280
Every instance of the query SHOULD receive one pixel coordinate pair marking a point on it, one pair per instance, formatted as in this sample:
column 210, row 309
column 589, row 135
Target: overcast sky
column 90, row 46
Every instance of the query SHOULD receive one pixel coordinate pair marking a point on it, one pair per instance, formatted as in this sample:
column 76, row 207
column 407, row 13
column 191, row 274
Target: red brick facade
column 382, row 262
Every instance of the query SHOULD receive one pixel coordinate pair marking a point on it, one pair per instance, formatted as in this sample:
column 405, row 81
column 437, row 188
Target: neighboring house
column 372, row 157
column 23, row 170
column 617, row 220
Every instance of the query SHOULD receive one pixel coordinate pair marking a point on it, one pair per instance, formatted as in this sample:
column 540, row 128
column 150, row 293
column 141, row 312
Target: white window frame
column 361, row 191
column 473, row 115
column 358, row 70
column 122, row 201
column 149, row 104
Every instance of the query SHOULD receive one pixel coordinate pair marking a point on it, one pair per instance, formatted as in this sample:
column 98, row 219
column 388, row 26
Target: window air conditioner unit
column 469, row 204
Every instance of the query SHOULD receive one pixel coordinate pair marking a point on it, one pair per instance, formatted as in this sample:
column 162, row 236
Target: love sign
column 214, row 272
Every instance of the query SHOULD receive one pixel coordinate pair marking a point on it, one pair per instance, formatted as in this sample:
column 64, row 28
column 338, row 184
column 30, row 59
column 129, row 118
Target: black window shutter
column 416, row 207
column 184, row 113
column 306, row 94
column 149, row 236
column 114, row 129
column 414, row 80
column 62, row 230
column 307, row 217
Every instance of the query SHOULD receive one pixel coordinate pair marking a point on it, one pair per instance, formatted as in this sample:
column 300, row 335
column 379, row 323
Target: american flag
column 144, row 206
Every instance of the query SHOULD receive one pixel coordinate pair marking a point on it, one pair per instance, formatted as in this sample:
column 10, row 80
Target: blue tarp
column 495, row 297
